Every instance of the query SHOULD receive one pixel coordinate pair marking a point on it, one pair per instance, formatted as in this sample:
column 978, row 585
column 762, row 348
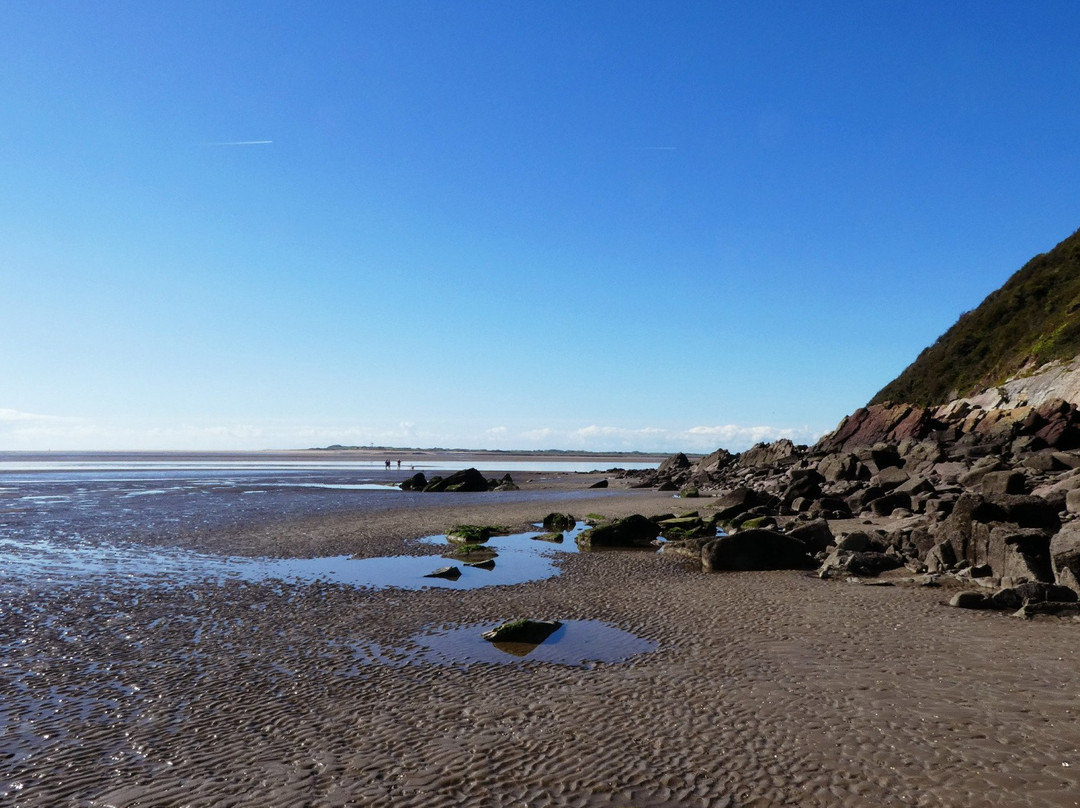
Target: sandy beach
column 757, row 689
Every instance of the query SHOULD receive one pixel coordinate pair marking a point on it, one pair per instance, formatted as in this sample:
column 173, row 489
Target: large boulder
column 466, row 480
column 756, row 549
column 816, row 535
column 633, row 531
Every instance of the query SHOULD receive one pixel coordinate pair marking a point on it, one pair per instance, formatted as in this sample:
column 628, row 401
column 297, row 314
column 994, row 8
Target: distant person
column 388, row 465
column 399, row 464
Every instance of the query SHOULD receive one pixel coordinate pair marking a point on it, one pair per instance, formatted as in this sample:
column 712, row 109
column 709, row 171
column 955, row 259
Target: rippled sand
column 764, row 689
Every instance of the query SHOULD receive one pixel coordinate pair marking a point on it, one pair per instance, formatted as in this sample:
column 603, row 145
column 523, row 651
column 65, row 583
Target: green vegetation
column 475, row 534
column 1033, row 319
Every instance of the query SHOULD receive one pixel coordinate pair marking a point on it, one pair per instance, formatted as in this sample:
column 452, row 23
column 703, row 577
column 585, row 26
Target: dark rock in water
column 467, row 480
column 488, row 564
column 755, row 550
column 599, row 484
column 556, row 522
column 532, row 632
column 633, row 531
column 415, row 483
column 554, row 538
column 449, row 573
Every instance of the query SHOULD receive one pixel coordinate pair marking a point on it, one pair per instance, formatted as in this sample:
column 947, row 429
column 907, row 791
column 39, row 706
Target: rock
column 735, row 502
column 763, row 455
column 689, row 493
column 685, row 527
column 667, row 485
column 940, row 557
column 855, row 542
column 532, row 632
column 633, row 531
column 1065, row 555
column 970, row 600
column 467, row 480
column 842, row 466
column 1035, row 592
column 556, row 522
column 688, row 548
column 1023, row 553
column 553, row 538
column 870, row 564
column 717, row 461
column 890, row 477
column 816, row 535
column 415, row 483
column 995, row 483
column 678, row 462
column 755, row 550
column 449, row 573
column 599, row 484
column 487, row 564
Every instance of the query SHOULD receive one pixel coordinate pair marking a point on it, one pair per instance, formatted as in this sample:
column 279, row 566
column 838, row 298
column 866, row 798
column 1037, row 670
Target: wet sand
column 764, row 688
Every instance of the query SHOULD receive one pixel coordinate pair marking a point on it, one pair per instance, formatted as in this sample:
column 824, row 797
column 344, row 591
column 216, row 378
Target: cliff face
column 1032, row 320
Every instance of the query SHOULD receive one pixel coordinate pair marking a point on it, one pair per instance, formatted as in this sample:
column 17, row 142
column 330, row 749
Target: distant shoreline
column 343, row 454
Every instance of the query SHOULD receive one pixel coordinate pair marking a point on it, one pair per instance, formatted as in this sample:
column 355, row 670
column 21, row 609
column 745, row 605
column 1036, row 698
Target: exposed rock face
column 1054, row 423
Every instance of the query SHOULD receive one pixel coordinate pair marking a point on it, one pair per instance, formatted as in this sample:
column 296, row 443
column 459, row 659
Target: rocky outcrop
column 466, row 480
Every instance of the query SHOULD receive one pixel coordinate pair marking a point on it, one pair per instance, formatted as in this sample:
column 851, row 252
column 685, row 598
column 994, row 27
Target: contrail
column 241, row 143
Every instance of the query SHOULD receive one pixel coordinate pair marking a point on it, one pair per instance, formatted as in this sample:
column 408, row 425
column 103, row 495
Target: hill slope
column 1033, row 319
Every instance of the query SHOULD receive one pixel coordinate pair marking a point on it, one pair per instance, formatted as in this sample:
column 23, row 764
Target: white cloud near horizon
column 17, row 415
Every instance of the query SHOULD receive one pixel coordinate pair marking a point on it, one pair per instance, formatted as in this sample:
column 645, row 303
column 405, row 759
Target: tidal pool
column 521, row 558
column 577, row 643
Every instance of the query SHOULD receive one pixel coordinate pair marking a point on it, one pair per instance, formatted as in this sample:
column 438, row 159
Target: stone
column 449, row 573
column 970, row 600
column 995, row 483
column 1065, row 555
column 415, row 483
column 816, row 535
column 466, row 480
column 633, row 531
column 556, row 522
column 532, row 632
column 1034, row 592
column 759, row 549
column 870, row 564
column 599, row 484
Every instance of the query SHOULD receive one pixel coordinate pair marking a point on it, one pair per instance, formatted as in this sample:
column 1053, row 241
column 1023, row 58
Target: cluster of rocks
column 989, row 497
column 461, row 481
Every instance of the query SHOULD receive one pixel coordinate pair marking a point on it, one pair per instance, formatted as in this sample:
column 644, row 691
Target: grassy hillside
column 1032, row 319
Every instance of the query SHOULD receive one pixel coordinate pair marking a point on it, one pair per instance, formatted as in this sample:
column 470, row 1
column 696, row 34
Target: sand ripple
column 765, row 689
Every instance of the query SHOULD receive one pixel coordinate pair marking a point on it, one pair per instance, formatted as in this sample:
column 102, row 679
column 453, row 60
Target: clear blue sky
column 593, row 225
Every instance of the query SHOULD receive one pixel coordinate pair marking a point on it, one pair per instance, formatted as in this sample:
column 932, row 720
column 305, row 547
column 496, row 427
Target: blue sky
column 604, row 225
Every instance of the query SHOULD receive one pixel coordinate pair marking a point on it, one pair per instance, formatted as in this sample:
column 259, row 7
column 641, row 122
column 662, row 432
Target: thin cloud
column 17, row 415
column 241, row 143
column 661, row 148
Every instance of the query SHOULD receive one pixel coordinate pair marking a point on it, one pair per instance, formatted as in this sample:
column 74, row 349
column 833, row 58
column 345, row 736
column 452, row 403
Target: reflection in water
column 578, row 643
column 73, row 563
